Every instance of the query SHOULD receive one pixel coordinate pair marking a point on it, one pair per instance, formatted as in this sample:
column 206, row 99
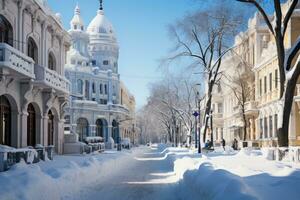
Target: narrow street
column 147, row 175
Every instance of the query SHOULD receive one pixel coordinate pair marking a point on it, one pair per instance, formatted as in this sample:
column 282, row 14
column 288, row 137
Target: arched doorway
column 6, row 31
column 50, row 128
column 5, row 121
column 32, row 50
column 99, row 128
column 82, row 128
column 31, row 126
column 115, row 131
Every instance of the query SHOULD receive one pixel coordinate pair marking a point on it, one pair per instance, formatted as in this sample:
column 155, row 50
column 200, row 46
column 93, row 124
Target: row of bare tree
column 168, row 114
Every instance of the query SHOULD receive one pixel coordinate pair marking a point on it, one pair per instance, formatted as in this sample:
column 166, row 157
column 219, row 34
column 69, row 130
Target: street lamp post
column 211, row 128
column 196, row 114
column 199, row 110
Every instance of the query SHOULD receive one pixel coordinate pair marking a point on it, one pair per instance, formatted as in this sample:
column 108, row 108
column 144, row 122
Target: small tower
column 77, row 22
column 78, row 54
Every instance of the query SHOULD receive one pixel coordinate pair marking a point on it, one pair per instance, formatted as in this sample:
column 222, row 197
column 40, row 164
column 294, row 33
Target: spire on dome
column 77, row 10
column 101, row 5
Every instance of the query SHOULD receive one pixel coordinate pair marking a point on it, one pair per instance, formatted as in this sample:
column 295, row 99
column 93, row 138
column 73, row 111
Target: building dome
column 100, row 25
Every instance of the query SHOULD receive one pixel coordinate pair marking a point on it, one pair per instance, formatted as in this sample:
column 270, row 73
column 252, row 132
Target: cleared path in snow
column 146, row 175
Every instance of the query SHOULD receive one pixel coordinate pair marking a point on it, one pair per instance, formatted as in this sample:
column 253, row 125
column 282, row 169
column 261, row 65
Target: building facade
column 255, row 61
column 33, row 88
column 92, row 68
column 128, row 126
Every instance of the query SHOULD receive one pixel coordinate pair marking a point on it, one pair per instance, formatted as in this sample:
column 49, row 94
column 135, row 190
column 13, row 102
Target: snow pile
column 249, row 152
column 208, row 183
column 59, row 179
column 244, row 175
column 184, row 164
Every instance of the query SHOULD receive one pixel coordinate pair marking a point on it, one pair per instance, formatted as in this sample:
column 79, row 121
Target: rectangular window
column 265, row 127
column 265, row 84
column 276, row 124
column 271, row 126
column 261, row 128
column 105, row 89
column 276, row 78
column 222, row 132
column 93, row 88
column 220, row 108
column 270, row 82
column 105, row 62
column 260, row 87
column 101, row 89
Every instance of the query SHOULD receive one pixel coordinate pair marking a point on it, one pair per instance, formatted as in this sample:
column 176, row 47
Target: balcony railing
column 217, row 115
column 93, row 105
column 16, row 61
column 51, row 79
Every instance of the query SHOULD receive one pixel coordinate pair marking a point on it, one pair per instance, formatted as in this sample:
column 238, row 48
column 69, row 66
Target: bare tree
column 204, row 38
column 171, row 101
column 240, row 85
column 289, row 73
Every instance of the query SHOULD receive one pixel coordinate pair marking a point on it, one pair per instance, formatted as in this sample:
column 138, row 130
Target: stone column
column 22, row 41
column 110, row 87
column 83, row 89
column 292, row 126
column 24, row 116
column 59, row 138
column 19, row 26
column 90, row 90
column 45, row 119
column 39, row 131
column 97, row 87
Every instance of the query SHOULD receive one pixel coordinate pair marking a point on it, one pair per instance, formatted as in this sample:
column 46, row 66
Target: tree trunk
column 207, row 110
column 245, row 127
column 283, row 132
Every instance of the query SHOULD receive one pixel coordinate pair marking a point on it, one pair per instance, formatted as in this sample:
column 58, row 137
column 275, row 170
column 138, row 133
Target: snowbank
column 59, row 179
column 247, row 174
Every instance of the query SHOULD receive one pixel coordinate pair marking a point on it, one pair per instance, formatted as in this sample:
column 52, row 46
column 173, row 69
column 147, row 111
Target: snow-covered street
column 156, row 172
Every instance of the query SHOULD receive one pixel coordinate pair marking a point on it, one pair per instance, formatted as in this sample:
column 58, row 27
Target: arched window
column 82, row 128
column 5, row 121
column 6, row 31
column 31, row 128
column 32, row 50
column 115, row 131
column 79, row 86
column 51, row 62
column 99, row 128
column 87, row 89
column 50, row 128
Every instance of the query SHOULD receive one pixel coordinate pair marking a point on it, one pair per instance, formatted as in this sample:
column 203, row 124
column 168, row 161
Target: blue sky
column 141, row 27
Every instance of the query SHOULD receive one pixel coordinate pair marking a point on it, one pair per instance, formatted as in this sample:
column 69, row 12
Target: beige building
column 128, row 126
column 254, row 62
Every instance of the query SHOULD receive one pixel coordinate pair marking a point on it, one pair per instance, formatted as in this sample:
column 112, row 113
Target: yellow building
column 255, row 61
column 128, row 126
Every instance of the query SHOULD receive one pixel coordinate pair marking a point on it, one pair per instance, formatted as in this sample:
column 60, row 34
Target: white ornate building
column 33, row 89
column 92, row 68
